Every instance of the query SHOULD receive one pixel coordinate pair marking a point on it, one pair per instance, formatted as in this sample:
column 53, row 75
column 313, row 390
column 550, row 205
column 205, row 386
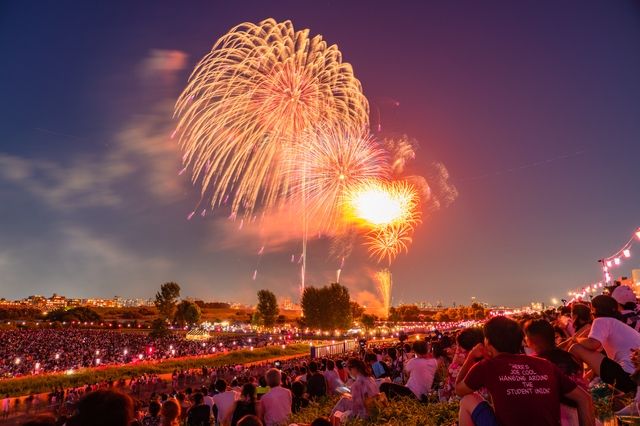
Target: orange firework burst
column 378, row 203
column 388, row 242
column 249, row 101
column 390, row 210
column 326, row 164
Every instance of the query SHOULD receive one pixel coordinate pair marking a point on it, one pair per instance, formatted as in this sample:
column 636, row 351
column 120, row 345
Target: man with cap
column 627, row 306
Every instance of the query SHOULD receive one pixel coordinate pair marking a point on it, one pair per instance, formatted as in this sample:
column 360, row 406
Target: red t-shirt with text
column 525, row 390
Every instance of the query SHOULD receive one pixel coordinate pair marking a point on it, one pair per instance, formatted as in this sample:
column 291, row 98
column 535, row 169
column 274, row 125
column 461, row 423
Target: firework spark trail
column 384, row 284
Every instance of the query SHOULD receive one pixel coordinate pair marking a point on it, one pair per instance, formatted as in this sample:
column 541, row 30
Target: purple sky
column 533, row 107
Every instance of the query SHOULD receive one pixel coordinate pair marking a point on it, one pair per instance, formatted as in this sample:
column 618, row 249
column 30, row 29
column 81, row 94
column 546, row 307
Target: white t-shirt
column 618, row 339
column 333, row 380
column 225, row 403
column 421, row 372
column 208, row 401
column 276, row 406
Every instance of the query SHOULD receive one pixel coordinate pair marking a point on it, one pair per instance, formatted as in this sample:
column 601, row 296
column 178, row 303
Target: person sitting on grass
column 332, row 377
column 420, row 370
column 363, row 391
column 581, row 319
column 466, row 340
column 525, row 390
column 316, row 383
column 618, row 340
column 276, row 404
column 299, row 401
column 540, row 337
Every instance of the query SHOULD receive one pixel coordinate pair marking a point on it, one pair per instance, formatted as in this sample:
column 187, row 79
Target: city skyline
column 538, row 132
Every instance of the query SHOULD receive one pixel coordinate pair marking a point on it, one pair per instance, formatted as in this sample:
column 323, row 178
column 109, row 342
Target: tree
column 311, row 307
column 368, row 321
column 327, row 308
column 80, row 313
column 187, row 313
column 159, row 328
column 356, row 310
column 166, row 299
column 267, row 308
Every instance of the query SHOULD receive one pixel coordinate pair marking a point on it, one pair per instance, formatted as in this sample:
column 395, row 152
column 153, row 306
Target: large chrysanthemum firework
column 249, row 101
column 327, row 163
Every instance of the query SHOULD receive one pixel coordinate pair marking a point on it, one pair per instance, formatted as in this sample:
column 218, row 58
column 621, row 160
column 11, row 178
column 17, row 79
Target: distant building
column 287, row 305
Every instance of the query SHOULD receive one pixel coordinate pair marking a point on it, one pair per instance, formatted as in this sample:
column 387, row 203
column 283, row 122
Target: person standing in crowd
column 224, row 401
column 246, row 405
column 618, row 340
column 316, row 383
column 276, row 404
column 170, row 413
column 153, row 418
column 208, row 400
column 6, row 403
column 525, row 390
column 199, row 414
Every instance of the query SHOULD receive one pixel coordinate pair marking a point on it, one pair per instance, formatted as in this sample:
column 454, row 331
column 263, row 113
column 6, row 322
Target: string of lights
column 608, row 263
column 616, row 259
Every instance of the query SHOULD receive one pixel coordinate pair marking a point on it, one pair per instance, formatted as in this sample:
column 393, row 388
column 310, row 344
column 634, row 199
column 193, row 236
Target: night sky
column 533, row 107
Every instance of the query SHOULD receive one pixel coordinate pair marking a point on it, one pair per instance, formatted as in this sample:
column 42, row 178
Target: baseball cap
column 623, row 295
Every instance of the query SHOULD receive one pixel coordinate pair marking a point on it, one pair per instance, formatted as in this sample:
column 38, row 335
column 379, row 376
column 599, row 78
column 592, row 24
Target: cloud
column 161, row 63
column 82, row 183
column 141, row 153
column 80, row 263
column 79, row 243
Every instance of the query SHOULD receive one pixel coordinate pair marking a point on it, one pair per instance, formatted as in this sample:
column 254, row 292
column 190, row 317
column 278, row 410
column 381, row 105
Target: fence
column 334, row 348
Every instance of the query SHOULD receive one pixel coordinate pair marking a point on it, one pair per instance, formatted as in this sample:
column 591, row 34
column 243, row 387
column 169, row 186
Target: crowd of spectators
column 45, row 350
column 527, row 370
